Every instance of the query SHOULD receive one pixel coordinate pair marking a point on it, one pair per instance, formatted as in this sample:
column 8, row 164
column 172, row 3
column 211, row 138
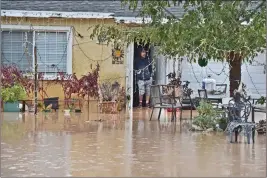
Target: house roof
column 103, row 6
column 78, row 9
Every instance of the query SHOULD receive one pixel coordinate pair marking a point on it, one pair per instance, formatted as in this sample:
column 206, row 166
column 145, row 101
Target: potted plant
column 179, row 88
column 11, row 96
column 121, row 100
column 77, row 109
column 261, row 127
column 44, row 108
column 87, row 85
column 110, row 95
column 261, row 100
column 71, row 106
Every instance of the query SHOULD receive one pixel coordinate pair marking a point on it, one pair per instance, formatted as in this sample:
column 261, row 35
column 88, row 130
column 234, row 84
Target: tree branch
column 254, row 12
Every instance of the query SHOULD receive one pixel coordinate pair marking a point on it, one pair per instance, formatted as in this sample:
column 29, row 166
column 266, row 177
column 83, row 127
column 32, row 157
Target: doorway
column 137, row 49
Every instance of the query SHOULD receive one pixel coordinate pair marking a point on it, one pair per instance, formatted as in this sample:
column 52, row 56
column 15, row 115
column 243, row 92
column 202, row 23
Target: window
column 14, row 49
column 51, row 51
column 54, row 49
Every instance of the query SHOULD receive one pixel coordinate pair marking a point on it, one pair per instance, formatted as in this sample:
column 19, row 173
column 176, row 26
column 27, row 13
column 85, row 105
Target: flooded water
column 110, row 145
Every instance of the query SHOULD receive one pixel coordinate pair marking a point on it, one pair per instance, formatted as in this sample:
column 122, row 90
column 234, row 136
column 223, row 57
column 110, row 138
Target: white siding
column 160, row 73
column 194, row 73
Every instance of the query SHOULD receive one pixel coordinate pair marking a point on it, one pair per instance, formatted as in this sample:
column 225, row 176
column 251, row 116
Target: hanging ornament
column 117, row 55
column 202, row 62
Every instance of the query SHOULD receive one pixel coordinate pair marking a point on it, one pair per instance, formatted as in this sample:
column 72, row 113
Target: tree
column 232, row 31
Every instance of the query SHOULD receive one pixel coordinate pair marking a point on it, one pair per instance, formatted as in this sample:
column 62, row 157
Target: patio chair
column 239, row 111
column 187, row 102
column 220, row 89
column 164, row 97
column 202, row 93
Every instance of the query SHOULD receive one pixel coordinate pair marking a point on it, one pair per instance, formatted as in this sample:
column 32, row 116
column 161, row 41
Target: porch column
column 129, row 77
column 128, row 148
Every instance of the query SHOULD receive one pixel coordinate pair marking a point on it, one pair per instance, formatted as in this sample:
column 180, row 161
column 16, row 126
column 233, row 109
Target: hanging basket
column 202, row 62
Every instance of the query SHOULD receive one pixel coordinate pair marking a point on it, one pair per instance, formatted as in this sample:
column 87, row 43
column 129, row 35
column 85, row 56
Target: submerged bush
column 208, row 117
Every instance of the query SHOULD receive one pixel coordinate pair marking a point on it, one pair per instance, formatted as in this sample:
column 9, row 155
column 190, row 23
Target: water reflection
column 58, row 145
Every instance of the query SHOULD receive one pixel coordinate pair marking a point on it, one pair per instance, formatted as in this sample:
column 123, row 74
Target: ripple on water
column 146, row 152
column 6, row 156
column 12, row 168
column 21, row 170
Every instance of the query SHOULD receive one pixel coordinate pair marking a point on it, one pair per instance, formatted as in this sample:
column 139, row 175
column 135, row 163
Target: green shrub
column 208, row 117
column 13, row 94
column 205, row 122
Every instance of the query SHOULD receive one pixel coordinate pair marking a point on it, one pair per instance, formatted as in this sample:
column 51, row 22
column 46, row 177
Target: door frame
column 129, row 75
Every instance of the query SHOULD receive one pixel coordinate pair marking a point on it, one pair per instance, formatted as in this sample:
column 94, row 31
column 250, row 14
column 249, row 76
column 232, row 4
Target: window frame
column 34, row 29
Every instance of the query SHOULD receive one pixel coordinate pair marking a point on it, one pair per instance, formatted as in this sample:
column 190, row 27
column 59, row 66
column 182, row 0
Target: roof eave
column 135, row 20
column 56, row 14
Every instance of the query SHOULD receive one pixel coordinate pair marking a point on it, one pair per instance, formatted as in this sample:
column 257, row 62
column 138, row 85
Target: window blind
column 17, row 49
column 51, row 52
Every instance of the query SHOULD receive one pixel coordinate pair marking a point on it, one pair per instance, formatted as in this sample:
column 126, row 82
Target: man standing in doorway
column 143, row 76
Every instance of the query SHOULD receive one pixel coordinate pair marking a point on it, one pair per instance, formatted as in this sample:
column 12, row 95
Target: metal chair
column 187, row 101
column 202, row 93
column 239, row 110
column 164, row 97
column 220, row 86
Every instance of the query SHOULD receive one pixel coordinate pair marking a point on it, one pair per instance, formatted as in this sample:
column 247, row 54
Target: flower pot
column 170, row 110
column 223, row 126
column 66, row 112
column 46, row 110
column 11, row 107
column 108, row 107
column 78, row 110
column 261, row 131
column 53, row 101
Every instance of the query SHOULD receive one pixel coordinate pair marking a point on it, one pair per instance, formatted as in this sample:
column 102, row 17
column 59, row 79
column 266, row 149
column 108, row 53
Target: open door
column 134, row 84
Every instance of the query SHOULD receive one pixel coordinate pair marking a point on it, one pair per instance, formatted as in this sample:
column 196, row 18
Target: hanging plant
column 202, row 62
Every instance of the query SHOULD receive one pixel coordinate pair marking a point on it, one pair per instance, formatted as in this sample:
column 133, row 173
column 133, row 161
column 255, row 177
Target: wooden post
column 35, row 80
column 23, row 105
column 88, row 106
column 266, row 64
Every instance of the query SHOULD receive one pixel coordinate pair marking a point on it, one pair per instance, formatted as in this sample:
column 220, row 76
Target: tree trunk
column 235, row 61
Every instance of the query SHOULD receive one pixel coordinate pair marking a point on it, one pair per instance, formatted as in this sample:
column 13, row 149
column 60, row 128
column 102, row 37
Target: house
column 61, row 31
column 252, row 75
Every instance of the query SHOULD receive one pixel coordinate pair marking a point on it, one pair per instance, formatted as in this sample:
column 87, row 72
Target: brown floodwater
column 113, row 145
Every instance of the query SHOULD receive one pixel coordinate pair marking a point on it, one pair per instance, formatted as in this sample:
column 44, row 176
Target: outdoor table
column 212, row 99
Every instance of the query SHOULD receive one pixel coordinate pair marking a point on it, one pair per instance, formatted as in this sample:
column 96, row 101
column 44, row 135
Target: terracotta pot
column 170, row 110
column 108, row 107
